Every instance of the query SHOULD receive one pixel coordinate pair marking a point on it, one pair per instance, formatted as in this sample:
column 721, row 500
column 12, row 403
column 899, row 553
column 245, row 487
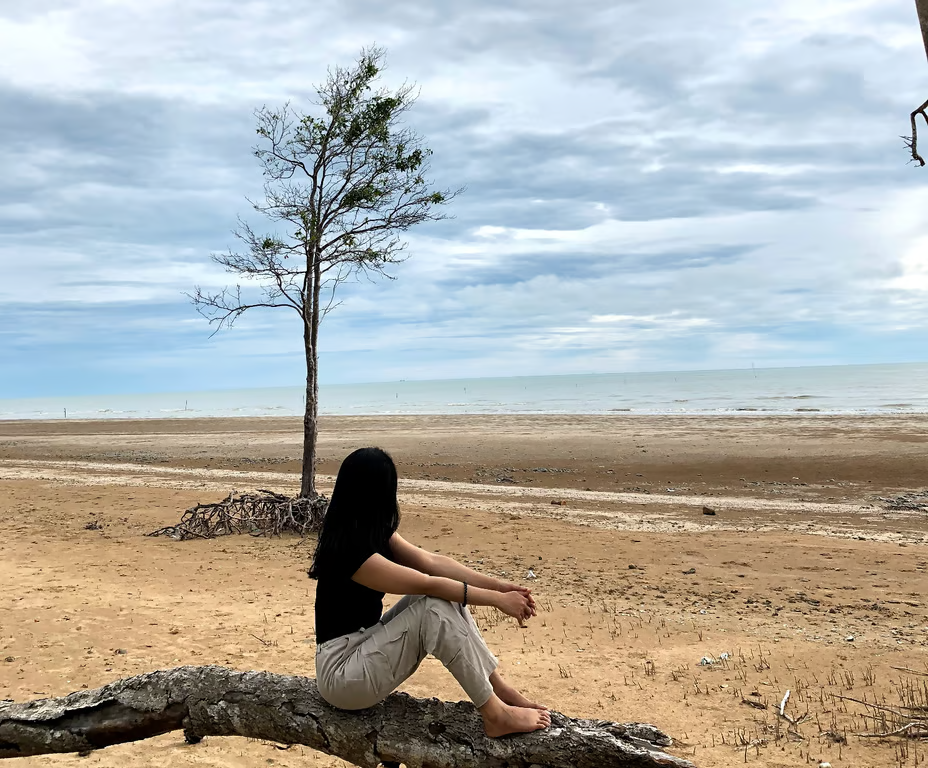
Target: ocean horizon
column 844, row 389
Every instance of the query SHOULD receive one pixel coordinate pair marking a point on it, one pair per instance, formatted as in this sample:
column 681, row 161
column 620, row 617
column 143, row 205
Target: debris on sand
column 915, row 502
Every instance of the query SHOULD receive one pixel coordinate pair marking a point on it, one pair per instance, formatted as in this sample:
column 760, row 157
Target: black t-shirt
column 343, row 605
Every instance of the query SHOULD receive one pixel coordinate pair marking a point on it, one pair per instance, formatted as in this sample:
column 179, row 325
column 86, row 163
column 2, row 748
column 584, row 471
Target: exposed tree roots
column 263, row 513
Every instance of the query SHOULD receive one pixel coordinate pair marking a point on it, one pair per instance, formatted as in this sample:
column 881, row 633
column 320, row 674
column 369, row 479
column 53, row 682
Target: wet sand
column 803, row 575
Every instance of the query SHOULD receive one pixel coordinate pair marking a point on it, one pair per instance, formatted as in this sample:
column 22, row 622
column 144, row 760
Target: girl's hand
column 506, row 586
column 516, row 604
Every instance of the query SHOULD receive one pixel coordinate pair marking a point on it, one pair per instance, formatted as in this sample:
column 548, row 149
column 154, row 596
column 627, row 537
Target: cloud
column 649, row 186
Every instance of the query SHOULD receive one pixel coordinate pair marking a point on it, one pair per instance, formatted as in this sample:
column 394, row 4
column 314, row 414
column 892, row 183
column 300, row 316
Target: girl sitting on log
column 363, row 654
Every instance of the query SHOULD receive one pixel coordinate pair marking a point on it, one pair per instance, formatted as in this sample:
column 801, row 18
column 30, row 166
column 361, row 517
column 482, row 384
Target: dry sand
column 636, row 584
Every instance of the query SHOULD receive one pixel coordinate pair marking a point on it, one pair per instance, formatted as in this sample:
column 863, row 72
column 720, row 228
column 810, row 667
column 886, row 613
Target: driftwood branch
column 215, row 701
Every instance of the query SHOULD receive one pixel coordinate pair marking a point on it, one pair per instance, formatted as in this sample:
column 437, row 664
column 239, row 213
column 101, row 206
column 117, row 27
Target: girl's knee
column 443, row 607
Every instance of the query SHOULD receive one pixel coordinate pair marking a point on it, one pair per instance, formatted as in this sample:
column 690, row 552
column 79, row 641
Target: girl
column 363, row 654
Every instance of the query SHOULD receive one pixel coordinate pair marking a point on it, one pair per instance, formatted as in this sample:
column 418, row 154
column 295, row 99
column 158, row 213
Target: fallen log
column 216, row 701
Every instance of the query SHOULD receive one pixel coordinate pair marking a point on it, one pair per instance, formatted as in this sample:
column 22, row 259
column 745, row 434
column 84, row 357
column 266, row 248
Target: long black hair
column 363, row 511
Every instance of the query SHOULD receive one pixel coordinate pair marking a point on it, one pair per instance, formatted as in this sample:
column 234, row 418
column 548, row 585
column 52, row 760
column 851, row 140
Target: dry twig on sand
column 910, row 671
column 909, row 718
column 794, row 722
column 263, row 513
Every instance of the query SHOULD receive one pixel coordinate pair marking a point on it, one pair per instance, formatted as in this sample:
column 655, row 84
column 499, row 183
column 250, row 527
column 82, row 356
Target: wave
column 790, row 397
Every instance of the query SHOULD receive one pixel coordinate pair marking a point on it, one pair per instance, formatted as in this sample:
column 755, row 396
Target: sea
column 847, row 389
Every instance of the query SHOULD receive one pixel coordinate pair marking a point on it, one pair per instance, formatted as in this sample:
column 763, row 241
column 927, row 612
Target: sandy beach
column 803, row 576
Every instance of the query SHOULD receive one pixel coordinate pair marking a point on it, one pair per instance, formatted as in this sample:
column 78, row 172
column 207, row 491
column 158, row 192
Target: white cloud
column 901, row 232
column 914, row 263
column 671, row 322
column 650, row 185
column 44, row 52
column 767, row 169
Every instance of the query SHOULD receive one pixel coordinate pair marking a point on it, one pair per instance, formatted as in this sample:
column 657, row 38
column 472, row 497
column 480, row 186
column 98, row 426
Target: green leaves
column 365, row 195
column 371, row 119
column 410, row 162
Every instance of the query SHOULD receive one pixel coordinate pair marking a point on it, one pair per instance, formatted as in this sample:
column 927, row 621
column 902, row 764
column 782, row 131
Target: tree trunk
column 311, row 345
column 310, row 427
column 215, row 701
column 922, row 7
column 310, row 430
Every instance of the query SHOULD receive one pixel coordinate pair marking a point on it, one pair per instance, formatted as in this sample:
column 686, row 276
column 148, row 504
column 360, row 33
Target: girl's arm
column 439, row 565
column 383, row 575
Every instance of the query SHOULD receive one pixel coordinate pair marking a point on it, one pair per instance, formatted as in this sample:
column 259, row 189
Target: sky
column 650, row 185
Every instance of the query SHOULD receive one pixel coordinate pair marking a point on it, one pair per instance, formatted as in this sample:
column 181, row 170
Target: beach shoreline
column 802, row 574
column 866, row 454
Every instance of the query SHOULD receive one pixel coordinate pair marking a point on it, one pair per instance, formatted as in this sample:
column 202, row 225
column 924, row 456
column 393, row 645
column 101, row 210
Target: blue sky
column 650, row 186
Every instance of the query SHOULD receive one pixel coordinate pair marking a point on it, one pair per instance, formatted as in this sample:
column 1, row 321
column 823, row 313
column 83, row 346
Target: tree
column 215, row 701
column 341, row 188
column 921, row 7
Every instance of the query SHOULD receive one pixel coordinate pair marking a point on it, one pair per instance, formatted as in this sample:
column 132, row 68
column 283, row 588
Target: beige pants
column 358, row 670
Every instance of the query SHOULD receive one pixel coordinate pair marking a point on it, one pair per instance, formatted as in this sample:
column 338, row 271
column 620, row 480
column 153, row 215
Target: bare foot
column 510, row 695
column 501, row 719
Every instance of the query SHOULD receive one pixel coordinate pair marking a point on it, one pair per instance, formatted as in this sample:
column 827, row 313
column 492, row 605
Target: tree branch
column 921, row 8
column 276, row 128
column 225, row 307
column 911, row 142
column 215, row 701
